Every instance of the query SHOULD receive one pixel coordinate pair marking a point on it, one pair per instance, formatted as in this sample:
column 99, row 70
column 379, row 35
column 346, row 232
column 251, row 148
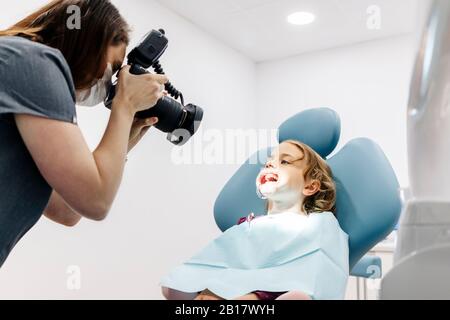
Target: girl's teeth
column 270, row 177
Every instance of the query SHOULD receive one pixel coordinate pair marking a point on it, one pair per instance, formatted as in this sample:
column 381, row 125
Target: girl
column 296, row 251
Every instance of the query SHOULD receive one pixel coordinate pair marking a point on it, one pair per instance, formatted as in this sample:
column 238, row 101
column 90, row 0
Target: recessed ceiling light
column 301, row 18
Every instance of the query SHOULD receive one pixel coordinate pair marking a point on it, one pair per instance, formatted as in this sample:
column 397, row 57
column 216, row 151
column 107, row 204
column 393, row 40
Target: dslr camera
column 180, row 121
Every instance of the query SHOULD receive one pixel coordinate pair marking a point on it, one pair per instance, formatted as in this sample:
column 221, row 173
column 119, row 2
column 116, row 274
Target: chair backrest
column 368, row 201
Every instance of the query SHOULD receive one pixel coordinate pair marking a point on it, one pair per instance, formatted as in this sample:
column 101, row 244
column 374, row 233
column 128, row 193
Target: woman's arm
column 88, row 182
column 58, row 211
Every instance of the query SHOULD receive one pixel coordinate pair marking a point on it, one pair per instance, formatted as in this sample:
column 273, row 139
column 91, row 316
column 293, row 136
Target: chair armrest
column 368, row 267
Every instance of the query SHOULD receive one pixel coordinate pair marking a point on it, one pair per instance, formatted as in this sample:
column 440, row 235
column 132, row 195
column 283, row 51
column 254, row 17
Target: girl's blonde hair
column 324, row 200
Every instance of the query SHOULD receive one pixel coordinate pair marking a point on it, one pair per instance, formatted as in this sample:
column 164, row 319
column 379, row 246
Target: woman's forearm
column 110, row 155
column 133, row 94
column 109, row 159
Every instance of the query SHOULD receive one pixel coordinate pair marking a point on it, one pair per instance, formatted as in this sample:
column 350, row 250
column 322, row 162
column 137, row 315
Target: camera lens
column 193, row 116
column 169, row 113
column 180, row 122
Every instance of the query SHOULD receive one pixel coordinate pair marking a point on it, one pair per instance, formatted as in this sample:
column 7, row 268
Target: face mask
column 98, row 92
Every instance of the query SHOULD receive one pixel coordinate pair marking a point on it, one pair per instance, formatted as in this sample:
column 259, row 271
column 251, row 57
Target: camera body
column 179, row 121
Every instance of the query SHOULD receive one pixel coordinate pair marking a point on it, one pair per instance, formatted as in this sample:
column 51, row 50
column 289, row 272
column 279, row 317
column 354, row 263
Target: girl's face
column 282, row 177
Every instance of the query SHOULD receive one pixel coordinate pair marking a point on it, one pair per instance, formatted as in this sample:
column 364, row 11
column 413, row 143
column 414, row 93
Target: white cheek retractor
column 259, row 193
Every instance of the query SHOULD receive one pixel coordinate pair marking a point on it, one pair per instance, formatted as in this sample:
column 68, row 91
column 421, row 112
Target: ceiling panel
column 258, row 28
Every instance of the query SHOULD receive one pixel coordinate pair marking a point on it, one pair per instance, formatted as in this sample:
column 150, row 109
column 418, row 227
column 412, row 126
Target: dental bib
column 274, row 253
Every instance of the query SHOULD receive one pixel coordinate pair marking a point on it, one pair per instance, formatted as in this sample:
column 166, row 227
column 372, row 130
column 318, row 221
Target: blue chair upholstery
column 368, row 202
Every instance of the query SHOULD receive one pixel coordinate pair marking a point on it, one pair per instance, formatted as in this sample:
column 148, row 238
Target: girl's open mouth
column 268, row 177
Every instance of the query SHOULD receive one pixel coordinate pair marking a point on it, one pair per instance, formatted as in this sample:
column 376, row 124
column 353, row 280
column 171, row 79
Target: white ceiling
column 258, row 28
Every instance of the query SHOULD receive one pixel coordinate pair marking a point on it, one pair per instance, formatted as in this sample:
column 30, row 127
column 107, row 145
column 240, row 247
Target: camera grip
column 137, row 70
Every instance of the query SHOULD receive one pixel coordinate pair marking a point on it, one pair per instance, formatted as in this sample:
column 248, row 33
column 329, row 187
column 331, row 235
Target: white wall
column 367, row 84
column 163, row 213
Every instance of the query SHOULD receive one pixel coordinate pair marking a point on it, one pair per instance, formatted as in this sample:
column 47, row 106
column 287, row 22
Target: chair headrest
column 368, row 202
column 318, row 128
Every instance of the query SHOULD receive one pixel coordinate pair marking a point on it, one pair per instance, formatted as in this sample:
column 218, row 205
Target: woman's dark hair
column 84, row 48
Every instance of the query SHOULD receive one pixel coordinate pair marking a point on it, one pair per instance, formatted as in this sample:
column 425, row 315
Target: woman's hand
column 138, row 130
column 139, row 92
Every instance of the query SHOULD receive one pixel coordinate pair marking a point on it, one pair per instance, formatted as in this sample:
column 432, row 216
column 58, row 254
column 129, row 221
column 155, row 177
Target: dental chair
column 368, row 201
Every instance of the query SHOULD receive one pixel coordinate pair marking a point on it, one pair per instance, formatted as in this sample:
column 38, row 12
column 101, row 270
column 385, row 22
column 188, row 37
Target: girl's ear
column 311, row 188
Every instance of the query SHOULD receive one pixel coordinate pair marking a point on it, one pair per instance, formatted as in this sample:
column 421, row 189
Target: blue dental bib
column 275, row 253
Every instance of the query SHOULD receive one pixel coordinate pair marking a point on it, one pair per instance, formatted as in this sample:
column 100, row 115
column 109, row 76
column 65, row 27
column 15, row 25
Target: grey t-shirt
column 34, row 80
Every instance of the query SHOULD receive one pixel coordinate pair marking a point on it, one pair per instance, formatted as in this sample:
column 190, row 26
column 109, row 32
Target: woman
column 46, row 166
